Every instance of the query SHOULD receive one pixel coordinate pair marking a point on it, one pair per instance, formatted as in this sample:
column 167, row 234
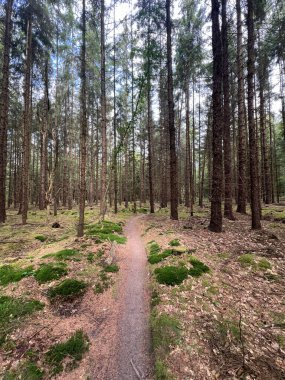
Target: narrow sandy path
column 133, row 347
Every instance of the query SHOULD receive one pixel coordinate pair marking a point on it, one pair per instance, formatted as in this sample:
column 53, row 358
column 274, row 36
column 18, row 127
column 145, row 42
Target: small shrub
column 9, row 273
column 73, row 350
column 247, row 260
column 198, row 268
column 41, row 238
column 49, row 272
column 112, row 268
column 67, row 290
column 174, row 243
column 264, row 264
column 171, row 275
column 142, row 210
column 27, row 370
column 12, row 310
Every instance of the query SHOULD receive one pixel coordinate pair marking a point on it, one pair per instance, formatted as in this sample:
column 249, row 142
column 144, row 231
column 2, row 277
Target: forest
column 142, row 189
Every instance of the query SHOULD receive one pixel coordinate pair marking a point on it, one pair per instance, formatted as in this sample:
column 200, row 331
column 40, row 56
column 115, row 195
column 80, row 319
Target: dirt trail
column 133, row 347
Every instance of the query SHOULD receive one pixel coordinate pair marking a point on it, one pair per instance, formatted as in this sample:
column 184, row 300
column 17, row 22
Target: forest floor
column 79, row 308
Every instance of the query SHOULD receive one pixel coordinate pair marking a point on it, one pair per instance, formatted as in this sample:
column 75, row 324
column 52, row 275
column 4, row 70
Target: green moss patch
column 68, row 353
column 49, row 272
column 65, row 254
column 27, row 371
column 41, row 238
column 174, row 243
column 166, row 331
column 9, row 273
column 153, row 248
column 67, row 290
column 112, row 268
column 106, row 231
column 171, row 275
column 264, row 264
column 247, row 260
column 198, row 268
column 91, row 257
column 157, row 257
column 12, row 311
column 103, row 284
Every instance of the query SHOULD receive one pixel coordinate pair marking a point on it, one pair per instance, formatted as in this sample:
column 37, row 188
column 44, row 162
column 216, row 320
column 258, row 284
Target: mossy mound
column 67, row 290
column 198, row 268
column 69, row 352
column 12, row 311
column 49, row 272
column 9, row 273
column 106, row 231
column 171, row 275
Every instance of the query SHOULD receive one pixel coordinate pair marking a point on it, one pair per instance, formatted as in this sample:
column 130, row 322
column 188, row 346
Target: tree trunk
column 103, row 116
column 4, row 107
column 216, row 222
column 253, row 147
column 228, row 209
column 171, row 125
column 242, row 161
column 83, row 130
column 26, row 123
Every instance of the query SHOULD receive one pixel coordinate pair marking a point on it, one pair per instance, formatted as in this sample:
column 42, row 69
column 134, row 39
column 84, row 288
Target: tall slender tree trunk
column 228, row 209
column 26, row 123
column 253, row 146
column 103, row 199
column 171, row 125
column 115, row 166
column 187, row 150
column 83, row 130
column 216, row 222
column 4, row 106
column 242, row 161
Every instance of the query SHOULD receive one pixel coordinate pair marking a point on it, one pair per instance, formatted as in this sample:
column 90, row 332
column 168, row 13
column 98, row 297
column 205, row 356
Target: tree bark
column 26, row 123
column 4, row 107
column 216, row 221
column 253, row 147
column 171, row 125
column 83, row 131
column 228, row 208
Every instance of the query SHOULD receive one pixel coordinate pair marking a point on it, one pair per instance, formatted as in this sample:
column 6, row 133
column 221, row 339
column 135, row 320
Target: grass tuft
column 65, row 254
column 247, row 260
column 72, row 350
column 67, row 290
column 171, row 275
column 9, row 273
column 153, row 248
column 264, row 264
column 198, row 268
column 12, row 310
column 49, row 272
column 165, row 333
column 174, row 243
column 27, row 370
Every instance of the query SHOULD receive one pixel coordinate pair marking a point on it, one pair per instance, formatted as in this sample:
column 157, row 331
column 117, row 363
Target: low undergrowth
column 27, row 370
column 103, row 284
column 13, row 311
column 49, row 272
column 65, row 254
column 10, row 273
column 106, row 230
column 113, row 268
column 174, row 243
column 41, row 238
column 249, row 260
column 66, row 355
column 67, row 290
